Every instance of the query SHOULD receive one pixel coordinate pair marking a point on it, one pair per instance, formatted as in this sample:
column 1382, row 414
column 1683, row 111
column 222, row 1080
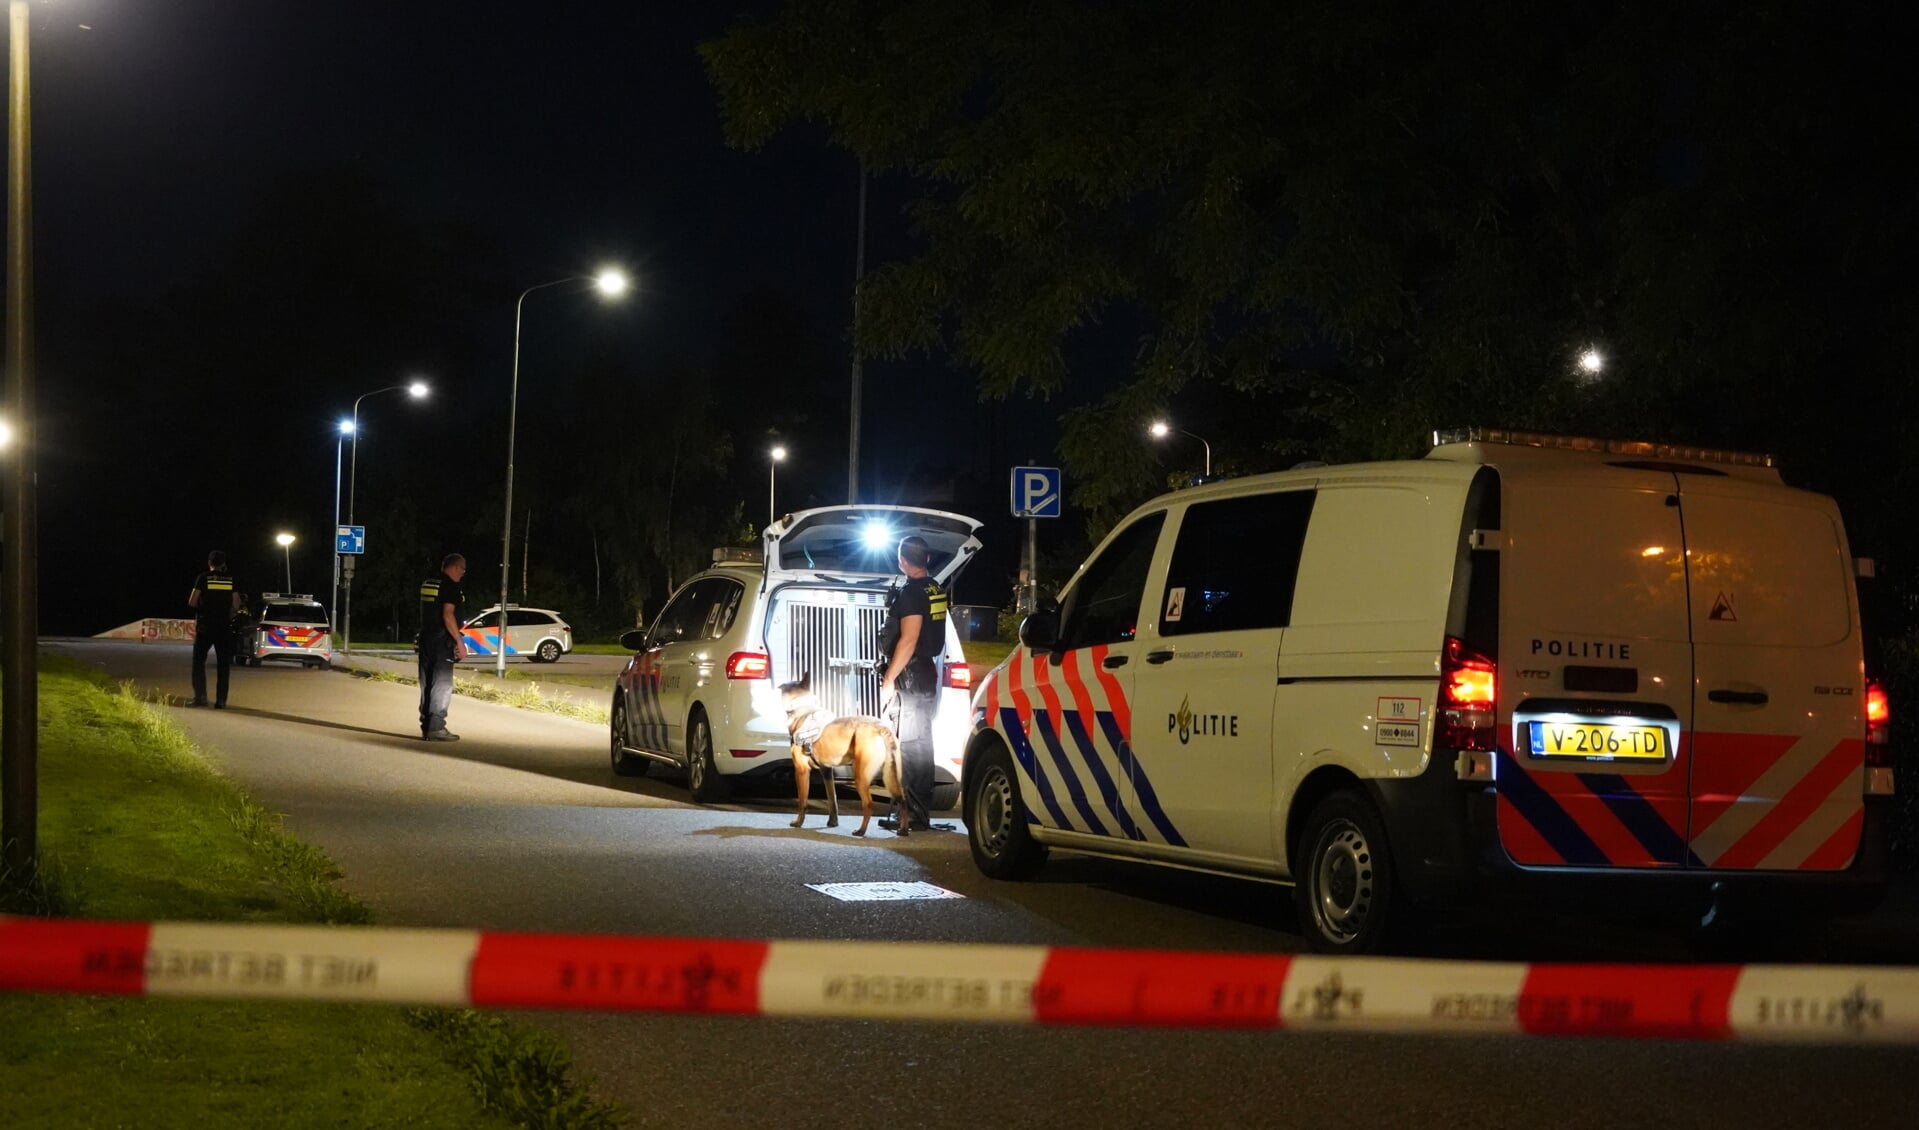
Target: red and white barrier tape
column 922, row 981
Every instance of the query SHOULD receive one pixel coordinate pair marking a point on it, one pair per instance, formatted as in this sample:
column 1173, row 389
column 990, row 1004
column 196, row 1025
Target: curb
column 968, row 983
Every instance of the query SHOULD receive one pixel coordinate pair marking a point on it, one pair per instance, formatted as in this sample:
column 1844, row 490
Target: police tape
column 958, row 982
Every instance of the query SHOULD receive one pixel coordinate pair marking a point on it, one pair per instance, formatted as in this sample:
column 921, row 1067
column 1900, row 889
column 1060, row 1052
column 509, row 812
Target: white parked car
column 702, row 694
column 537, row 634
column 1602, row 673
column 291, row 628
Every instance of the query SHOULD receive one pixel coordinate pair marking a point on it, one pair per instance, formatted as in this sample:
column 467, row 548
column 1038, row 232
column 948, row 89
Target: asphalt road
column 522, row 826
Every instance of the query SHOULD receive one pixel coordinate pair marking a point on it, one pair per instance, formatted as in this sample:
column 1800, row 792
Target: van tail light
column 959, row 676
column 1468, row 691
column 1878, row 740
column 748, row 665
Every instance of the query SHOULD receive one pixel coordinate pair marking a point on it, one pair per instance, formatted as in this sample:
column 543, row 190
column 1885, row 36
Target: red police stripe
column 1115, row 695
column 1161, row 988
column 1726, row 766
column 1521, row 840
column 1841, row 762
column 56, row 955
column 992, row 697
column 1671, row 1002
column 1048, row 694
column 1601, row 823
column 1021, row 705
column 1837, row 852
column 583, row 971
column 1082, row 702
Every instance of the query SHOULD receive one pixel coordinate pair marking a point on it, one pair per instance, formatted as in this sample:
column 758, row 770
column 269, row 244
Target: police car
column 538, row 634
column 702, row 693
column 1546, row 668
column 291, row 628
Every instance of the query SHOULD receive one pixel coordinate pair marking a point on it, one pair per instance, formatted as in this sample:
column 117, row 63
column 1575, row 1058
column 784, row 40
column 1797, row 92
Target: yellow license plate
column 1604, row 741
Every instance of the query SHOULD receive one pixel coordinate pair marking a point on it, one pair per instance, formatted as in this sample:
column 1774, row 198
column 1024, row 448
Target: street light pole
column 339, row 442
column 19, row 580
column 286, row 543
column 772, row 466
column 1160, row 428
column 610, row 283
column 418, row 391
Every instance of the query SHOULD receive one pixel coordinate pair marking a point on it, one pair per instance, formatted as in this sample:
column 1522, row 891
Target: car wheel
column 702, row 776
column 996, row 826
column 549, row 651
column 1344, row 879
column 625, row 764
column 945, row 797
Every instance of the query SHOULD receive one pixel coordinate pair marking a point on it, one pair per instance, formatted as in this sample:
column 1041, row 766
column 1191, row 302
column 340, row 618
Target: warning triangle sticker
column 1722, row 609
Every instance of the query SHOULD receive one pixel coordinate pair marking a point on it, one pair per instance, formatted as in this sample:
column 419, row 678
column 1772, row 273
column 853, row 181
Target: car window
column 1234, row 564
column 684, row 617
column 522, row 617
column 1103, row 606
column 724, row 608
column 484, row 620
column 295, row 613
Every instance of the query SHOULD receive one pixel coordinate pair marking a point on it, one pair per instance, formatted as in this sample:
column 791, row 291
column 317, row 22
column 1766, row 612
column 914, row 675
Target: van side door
column 1073, row 702
column 1202, row 749
column 1778, row 771
column 667, row 669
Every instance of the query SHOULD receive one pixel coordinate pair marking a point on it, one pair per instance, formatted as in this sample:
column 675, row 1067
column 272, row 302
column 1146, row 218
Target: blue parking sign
column 1036, row 492
column 349, row 539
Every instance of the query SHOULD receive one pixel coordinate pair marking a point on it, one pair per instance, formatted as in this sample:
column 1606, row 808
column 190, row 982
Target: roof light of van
column 748, row 665
column 959, row 676
column 1636, row 448
column 1468, row 691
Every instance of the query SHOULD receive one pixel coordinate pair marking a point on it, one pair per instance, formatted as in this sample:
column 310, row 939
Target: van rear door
column 1594, row 667
column 1777, row 775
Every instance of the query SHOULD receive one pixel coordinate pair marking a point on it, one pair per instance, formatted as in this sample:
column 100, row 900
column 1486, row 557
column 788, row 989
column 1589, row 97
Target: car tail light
column 1468, row 691
column 748, row 665
column 959, row 676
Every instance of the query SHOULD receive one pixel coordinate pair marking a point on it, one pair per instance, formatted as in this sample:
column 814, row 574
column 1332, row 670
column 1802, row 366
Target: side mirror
column 633, row 639
column 1040, row 631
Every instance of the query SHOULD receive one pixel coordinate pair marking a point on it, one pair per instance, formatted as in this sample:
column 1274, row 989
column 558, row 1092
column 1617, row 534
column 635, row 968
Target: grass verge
column 134, row 824
column 527, row 696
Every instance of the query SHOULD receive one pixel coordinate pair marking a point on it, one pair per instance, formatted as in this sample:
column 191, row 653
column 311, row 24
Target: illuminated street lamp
column 774, row 458
column 1160, row 429
column 6, row 434
column 286, row 543
column 1591, row 361
column 611, row 283
column 416, row 389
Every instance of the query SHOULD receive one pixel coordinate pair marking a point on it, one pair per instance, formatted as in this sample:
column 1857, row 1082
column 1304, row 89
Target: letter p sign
column 1036, row 492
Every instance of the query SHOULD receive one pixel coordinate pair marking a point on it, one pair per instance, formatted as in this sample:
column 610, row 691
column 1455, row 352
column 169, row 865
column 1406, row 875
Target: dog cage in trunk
column 832, row 635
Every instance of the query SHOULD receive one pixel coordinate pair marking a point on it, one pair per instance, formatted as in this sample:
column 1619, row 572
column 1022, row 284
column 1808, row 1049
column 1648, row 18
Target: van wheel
column 945, row 797
column 1344, row 881
column 625, row 764
column 703, row 778
column 1003, row 847
column 549, row 651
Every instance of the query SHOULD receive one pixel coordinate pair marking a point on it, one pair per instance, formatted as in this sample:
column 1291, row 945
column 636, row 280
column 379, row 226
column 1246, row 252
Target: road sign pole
column 19, row 579
column 1029, row 570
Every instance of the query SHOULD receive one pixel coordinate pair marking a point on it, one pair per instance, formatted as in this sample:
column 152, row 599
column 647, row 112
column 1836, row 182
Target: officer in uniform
column 913, row 637
column 440, row 645
column 215, row 600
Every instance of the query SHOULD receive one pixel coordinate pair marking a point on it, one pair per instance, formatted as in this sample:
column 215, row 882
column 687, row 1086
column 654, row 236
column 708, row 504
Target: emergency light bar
column 286, row 596
column 1637, row 448
column 729, row 553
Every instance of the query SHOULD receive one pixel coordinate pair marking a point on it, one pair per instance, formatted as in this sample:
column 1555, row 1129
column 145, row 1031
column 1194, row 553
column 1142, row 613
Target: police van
column 1524, row 666
column 702, row 693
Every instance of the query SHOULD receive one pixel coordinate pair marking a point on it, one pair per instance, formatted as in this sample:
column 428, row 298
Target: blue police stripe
column 1029, row 761
column 1073, row 788
column 1142, row 785
column 1540, row 810
column 1089, row 750
column 1641, row 819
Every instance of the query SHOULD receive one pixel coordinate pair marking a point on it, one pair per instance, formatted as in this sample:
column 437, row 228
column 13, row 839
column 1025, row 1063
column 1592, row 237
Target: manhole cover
column 884, row 892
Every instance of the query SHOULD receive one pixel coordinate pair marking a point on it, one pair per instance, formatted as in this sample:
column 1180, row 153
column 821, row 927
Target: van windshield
column 867, row 541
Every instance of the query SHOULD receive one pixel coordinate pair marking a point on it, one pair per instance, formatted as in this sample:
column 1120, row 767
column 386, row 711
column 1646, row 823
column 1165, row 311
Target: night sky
column 540, row 141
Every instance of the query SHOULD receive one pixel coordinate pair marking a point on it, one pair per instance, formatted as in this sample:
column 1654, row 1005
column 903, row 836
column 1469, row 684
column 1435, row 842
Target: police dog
column 820, row 739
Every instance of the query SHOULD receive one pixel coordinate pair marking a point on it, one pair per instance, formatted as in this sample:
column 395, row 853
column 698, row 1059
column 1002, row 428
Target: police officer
column 913, row 636
column 215, row 600
column 440, row 645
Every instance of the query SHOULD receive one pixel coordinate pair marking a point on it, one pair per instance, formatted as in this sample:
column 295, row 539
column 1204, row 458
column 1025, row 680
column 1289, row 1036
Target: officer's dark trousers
column 916, row 750
column 222, row 645
column 436, row 687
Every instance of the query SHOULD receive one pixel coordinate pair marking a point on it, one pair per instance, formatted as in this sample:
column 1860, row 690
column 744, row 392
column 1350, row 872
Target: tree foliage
column 1320, row 230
